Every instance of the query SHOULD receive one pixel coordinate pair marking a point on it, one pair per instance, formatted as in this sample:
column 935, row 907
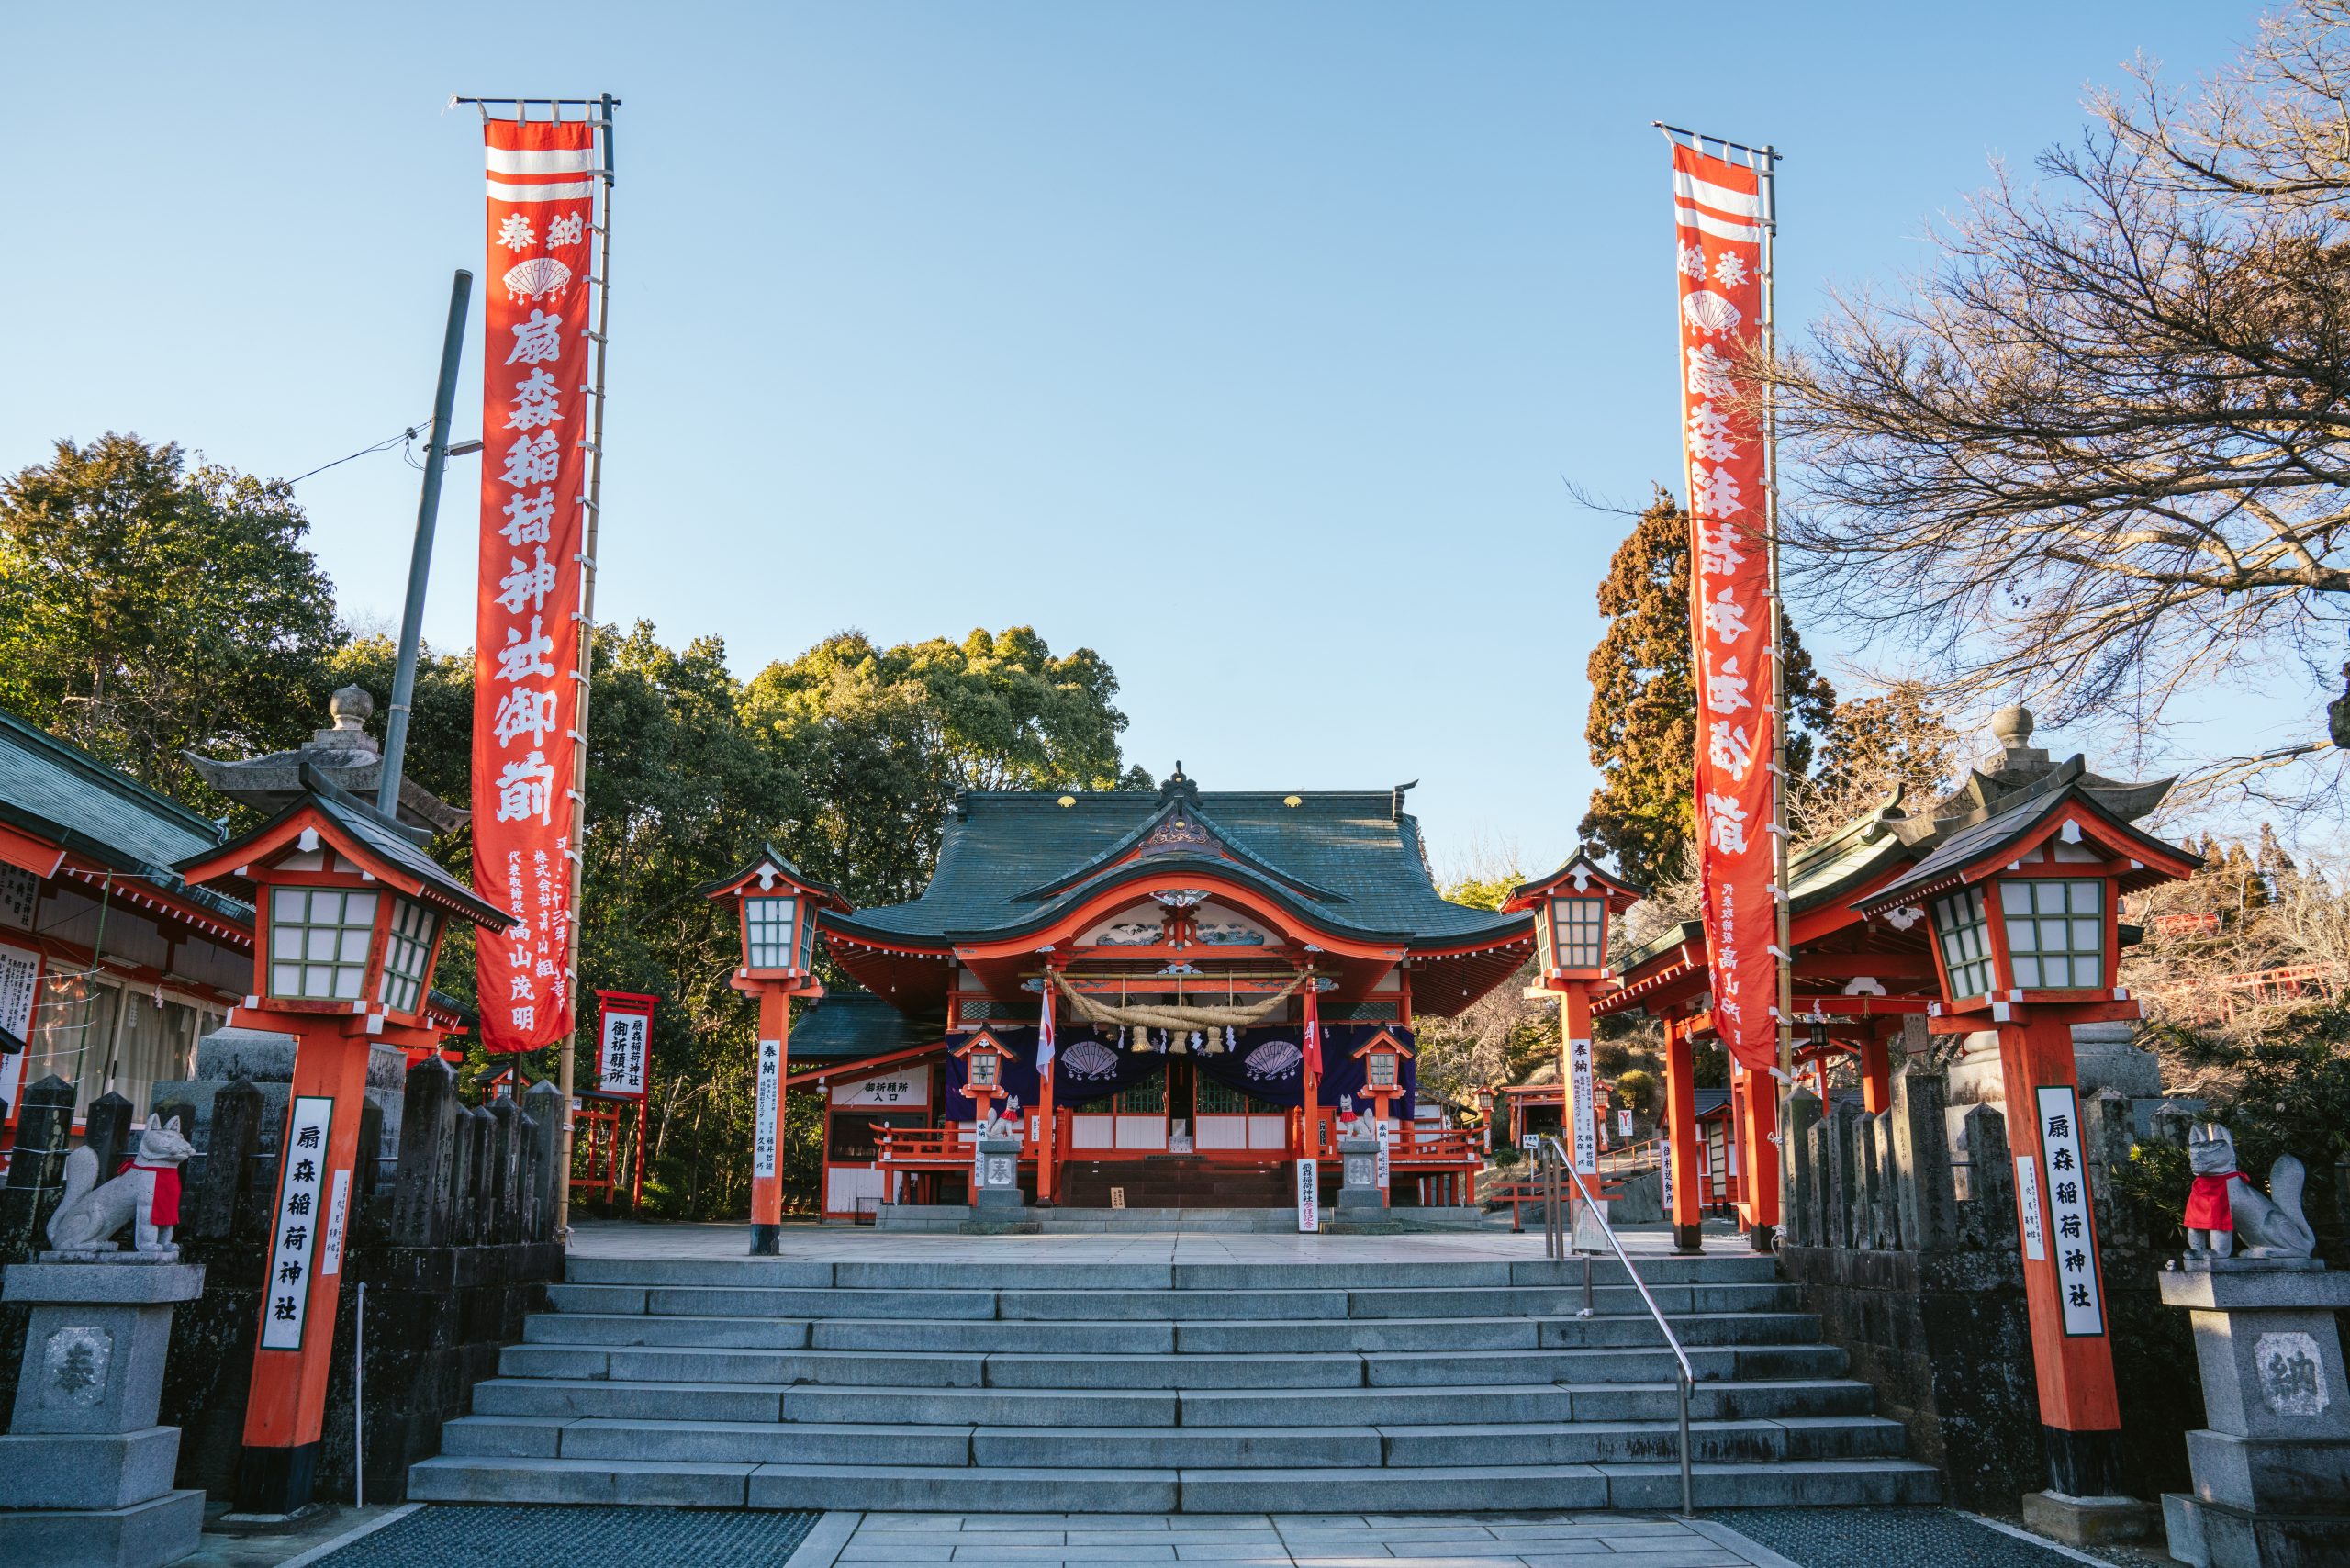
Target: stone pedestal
column 85, row 1474
column 1358, row 1195
column 2272, row 1472
column 995, row 1178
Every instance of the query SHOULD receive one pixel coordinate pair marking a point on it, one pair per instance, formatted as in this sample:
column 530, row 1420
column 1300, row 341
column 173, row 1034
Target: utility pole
column 420, row 561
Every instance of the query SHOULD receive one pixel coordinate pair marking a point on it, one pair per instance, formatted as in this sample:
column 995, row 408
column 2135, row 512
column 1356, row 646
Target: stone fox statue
column 146, row 1193
column 2224, row 1201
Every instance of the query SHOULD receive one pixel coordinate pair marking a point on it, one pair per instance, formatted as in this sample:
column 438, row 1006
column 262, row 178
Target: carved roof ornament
column 344, row 753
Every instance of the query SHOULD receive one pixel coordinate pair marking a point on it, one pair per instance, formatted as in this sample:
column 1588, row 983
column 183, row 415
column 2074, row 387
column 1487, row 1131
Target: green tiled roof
column 850, row 1024
column 1351, row 860
column 59, row 793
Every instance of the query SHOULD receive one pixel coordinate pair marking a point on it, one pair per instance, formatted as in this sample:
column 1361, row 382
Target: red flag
column 1719, row 254
column 1312, row 1034
column 527, row 669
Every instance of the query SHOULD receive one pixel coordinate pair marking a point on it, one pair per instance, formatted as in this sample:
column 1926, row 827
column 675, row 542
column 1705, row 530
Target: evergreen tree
column 146, row 609
column 1643, row 725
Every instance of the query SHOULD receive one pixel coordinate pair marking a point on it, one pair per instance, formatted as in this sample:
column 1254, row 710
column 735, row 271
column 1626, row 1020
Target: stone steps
column 1120, row 1387
column 1170, row 1448
column 1354, row 1489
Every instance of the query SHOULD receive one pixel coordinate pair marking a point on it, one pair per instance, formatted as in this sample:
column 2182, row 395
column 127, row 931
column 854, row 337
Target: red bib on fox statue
column 165, row 1209
column 2207, row 1202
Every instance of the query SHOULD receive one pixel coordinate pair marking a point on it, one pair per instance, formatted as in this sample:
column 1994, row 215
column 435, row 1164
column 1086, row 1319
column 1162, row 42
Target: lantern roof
column 343, row 753
column 378, row 846
column 769, row 868
column 1385, row 1040
column 2060, row 801
column 1579, row 878
column 982, row 1037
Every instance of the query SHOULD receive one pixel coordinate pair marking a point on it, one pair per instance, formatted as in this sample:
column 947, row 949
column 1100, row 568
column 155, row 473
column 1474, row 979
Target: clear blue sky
column 1247, row 344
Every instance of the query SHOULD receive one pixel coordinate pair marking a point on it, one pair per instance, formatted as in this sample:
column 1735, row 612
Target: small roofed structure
column 343, row 753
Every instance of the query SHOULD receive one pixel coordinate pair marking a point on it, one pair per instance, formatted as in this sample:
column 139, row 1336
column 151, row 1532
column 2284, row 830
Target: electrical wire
column 408, row 434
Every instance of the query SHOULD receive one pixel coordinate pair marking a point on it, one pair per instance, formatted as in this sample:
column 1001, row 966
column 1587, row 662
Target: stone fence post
column 427, row 1192
column 1988, row 1217
column 35, row 1168
column 1798, row 1200
column 1925, row 1194
column 221, row 1189
column 544, row 1102
column 106, row 1132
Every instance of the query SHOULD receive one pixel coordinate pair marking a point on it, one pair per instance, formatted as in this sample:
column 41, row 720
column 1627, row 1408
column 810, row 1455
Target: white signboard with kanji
column 620, row 1068
column 770, row 1097
column 907, row 1091
column 1309, row 1196
column 2072, row 1229
column 338, row 1211
column 300, row 1216
column 2035, row 1235
column 19, row 984
column 1582, row 1112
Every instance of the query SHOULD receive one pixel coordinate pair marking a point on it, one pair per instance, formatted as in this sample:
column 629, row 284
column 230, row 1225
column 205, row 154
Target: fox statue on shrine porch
column 145, row 1195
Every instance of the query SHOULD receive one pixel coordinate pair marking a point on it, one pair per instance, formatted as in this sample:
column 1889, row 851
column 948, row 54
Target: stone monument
column 1358, row 1195
column 995, row 1172
column 2272, row 1470
column 85, row 1474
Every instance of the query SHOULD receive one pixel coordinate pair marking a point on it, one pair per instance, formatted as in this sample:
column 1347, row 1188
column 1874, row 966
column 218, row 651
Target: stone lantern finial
column 2012, row 727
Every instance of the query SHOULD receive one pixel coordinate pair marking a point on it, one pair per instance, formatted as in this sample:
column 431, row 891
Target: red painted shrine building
column 1186, row 938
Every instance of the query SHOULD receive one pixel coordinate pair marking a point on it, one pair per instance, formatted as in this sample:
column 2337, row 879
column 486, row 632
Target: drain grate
column 505, row 1535
column 1877, row 1537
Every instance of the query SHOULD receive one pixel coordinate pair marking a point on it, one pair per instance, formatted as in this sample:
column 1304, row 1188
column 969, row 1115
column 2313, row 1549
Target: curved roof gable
column 1350, row 859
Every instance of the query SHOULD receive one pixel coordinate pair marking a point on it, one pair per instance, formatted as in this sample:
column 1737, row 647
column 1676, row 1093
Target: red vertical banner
column 527, row 668
column 1718, row 254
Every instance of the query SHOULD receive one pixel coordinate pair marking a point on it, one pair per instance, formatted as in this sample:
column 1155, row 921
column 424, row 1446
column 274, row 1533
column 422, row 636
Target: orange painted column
column 1876, row 1072
column 317, row 1185
column 1758, row 1158
column 2072, row 1353
column 1680, row 1136
column 772, row 1060
column 1578, row 1099
column 1048, row 1144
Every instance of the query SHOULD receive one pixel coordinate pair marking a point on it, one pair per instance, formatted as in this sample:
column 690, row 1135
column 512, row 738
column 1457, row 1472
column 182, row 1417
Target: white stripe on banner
column 1690, row 218
column 579, row 190
column 558, row 161
column 1688, row 187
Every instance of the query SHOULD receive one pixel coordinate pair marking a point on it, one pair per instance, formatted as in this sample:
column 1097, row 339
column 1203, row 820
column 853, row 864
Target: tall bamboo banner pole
column 607, row 104
column 1768, row 179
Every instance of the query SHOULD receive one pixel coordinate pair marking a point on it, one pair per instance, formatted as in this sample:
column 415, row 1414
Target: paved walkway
column 1299, row 1541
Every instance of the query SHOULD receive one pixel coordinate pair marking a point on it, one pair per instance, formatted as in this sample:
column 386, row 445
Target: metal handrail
column 1554, row 1160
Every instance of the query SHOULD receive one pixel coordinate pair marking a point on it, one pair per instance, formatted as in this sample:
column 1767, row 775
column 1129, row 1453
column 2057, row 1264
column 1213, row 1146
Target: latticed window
column 768, row 924
column 406, row 955
column 1210, row 1098
column 318, row 943
column 1146, row 1098
column 1581, row 932
column 2055, row 933
column 1965, row 939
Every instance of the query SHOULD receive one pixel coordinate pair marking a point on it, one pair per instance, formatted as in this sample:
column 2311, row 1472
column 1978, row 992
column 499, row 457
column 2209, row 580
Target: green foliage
column 146, row 609
column 882, row 740
column 1643, row 725
column 1640, row 1091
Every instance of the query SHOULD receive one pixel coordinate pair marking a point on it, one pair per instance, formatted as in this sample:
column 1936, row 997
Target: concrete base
column 2210, row 1535
column 50, row 1471
column 2085, row 1521
column 145, row 1534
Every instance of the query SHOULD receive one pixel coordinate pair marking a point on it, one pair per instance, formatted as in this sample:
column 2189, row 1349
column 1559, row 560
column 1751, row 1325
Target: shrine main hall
column 1195, row 943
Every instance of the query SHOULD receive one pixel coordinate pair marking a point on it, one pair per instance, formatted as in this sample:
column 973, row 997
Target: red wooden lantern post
column 1572, row 907
column 2027, row 938
column 348, row 912
column 1382, row 1058
column 775, row 908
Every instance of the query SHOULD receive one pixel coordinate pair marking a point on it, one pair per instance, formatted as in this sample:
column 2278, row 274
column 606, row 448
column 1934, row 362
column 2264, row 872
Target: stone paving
column 1283, row 1541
